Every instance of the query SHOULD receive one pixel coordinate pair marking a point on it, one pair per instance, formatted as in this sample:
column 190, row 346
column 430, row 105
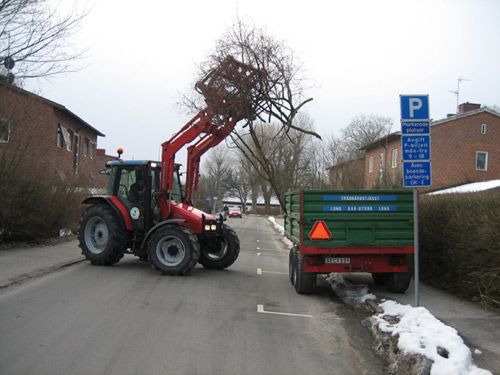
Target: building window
column 59, row 137
column 86, row 147
column 394, row 160
column 91, row 150
column 4, row 131
column 370, row 164
column 481, row 161
column 483, row 128
column 69, row 140
column 382, row 166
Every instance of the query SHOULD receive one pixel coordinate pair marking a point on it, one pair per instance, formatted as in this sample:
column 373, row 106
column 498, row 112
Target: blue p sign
column 414, row 107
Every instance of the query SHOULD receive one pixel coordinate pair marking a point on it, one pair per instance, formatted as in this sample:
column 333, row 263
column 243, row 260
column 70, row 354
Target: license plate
column 337, row 260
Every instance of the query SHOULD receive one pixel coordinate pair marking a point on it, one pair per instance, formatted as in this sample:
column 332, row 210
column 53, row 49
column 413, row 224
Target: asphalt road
column 127, row 319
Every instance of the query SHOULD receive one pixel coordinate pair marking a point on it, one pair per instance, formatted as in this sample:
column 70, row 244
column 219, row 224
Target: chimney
column 467, row 107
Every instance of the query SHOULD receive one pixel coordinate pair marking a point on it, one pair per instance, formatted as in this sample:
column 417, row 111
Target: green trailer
column 350, row 231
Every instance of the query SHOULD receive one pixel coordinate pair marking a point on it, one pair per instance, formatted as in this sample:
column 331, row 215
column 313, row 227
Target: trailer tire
column 173, row 250
column 304, row 282
column 292, row 264
column 379, row 278
column 225, row 253
column 398, row 282
column 102, row 239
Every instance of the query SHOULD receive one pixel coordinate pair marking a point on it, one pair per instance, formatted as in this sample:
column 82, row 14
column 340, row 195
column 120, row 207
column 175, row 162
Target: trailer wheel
column 173, row 250
column 222, row 252
column 397, row 282
column 379, row 278
column 102, row 240
column 304, row 282
column 292, row 256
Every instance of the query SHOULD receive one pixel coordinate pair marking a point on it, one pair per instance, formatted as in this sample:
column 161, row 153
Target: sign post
column 416, row 150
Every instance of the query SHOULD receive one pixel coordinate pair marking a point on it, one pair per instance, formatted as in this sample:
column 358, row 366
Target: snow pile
column 348, row 292
column 421, row 333
column 470, row 188
column 278, row 227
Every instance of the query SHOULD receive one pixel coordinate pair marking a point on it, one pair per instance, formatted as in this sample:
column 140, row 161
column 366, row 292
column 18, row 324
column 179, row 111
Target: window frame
column 394, row 158
column 370, row 164
column 483, row 128
column 485, row 161
column 6, row 122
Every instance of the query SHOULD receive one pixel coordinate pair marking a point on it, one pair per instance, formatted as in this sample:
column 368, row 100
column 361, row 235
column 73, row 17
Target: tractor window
column 177, row 193
column 131, row 189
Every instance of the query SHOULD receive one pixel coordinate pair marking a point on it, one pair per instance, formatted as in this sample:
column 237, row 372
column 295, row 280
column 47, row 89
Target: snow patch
column 348, row 292
column 419, row 332
column 280, row 229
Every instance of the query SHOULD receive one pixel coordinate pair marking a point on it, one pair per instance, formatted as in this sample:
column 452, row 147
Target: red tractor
column 149, row 213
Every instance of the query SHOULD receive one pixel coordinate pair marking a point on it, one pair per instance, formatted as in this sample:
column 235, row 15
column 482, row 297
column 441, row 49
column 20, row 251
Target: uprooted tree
column 276, row 94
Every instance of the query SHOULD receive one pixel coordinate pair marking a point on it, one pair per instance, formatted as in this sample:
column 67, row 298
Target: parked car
column 235, row 213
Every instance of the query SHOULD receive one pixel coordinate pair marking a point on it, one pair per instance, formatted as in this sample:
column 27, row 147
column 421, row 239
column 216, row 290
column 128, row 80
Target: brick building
column 48, row 140
column 465, row 147
column 347, row 175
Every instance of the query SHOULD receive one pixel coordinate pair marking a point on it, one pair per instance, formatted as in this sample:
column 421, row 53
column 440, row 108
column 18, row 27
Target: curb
column 21, row 279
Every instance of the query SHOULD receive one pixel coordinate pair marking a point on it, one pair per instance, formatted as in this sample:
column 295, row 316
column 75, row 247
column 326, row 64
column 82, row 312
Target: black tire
column 379, row 278
column 304, row 282
column 221, row 252
column 398, row 282
column 292, row 261
column 102, row 238
column 173, row 250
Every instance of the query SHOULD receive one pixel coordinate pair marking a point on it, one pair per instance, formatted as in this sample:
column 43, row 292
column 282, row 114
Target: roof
column 55, row 105
column 131, row 162
column 382, row 140
column 470, row 188
column 397, row 134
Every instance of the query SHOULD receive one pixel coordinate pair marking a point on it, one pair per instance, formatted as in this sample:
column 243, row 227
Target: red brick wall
column 371, row 178
column 33, row 134
column 453, row 151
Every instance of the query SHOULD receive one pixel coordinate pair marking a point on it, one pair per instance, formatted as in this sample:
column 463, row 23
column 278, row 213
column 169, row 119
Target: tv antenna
column 457, row 91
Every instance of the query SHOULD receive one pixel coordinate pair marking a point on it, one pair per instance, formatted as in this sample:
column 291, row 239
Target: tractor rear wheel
column 173, row 250
column 102, row 239
column 292, row 264
column 222, row 252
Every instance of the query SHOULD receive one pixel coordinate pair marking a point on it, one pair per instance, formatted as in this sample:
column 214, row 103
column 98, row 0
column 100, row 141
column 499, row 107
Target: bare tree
column 36, row 37
column 361, row 131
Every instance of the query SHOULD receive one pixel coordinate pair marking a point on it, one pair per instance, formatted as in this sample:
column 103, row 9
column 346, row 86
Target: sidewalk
column 19, row 264
column 479, row 328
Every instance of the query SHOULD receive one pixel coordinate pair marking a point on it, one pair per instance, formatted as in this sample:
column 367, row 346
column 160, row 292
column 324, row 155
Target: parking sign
column 416, row 141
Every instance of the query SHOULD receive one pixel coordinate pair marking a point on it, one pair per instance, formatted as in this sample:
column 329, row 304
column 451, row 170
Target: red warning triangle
column 320, row 231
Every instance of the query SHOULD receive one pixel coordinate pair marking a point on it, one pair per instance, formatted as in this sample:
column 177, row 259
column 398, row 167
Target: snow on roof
column 469, row 188
column 260, row 200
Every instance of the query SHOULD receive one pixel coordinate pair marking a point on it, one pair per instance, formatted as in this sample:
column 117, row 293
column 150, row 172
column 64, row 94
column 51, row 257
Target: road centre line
column 260, row 309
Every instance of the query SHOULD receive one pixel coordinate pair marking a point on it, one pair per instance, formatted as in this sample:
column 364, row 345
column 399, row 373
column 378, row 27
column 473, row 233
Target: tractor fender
column 159, row 225
column 117, row 206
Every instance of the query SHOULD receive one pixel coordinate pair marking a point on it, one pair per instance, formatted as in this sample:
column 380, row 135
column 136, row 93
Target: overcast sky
column 359, row 56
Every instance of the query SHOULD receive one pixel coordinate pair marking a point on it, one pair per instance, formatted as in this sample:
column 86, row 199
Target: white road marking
column 258, row 253
column 258, row 248
column 260, row 272
column 260, row 309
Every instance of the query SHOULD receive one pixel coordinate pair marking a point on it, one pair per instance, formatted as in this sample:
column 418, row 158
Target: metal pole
column 417, row 256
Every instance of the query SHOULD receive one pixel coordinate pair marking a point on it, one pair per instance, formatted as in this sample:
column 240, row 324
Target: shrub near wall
column 460, row 244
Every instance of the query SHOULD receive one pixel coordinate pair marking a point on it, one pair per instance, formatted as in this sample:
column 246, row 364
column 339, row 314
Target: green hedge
column 460, row 244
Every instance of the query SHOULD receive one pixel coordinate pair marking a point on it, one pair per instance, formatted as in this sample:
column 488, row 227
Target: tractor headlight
column 207, row 227
column 213, row 227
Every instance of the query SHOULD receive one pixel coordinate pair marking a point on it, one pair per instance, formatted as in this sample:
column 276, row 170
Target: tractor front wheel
column 173, row 250
column 221, row 252
column 102, row 239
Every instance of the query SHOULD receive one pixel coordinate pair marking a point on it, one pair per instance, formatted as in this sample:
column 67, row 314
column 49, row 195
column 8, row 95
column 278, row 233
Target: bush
column 460, row 244
column 35, row 207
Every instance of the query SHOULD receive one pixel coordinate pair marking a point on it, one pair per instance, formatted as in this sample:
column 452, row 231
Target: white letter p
column 415, row 104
